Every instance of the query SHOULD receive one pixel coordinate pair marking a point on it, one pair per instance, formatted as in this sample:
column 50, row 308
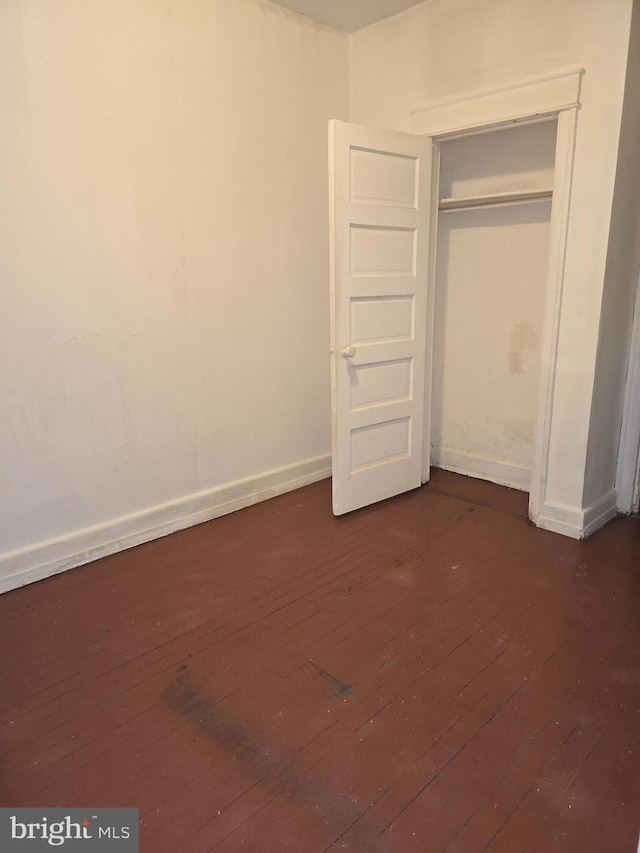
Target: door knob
column 348, row 352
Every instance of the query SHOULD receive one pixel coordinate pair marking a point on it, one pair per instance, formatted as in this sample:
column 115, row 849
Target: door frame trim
column 553, row 97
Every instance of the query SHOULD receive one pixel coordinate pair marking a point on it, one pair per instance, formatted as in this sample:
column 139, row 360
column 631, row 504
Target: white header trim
column 518, row 101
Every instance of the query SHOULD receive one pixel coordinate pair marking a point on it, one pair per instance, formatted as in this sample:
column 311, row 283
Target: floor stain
column 270, row 765
column 342, row 688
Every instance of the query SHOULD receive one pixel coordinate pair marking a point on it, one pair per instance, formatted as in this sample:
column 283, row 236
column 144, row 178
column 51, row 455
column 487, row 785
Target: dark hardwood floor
column 429, row 674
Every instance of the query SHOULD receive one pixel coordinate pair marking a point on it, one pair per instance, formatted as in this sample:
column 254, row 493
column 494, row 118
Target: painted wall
column 446, row 49
column 491, row 270
column 489, row 309
column 620, row 290
column 163, row 264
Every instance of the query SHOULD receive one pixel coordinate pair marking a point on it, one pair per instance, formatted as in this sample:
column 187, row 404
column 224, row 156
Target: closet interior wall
column 491, row 271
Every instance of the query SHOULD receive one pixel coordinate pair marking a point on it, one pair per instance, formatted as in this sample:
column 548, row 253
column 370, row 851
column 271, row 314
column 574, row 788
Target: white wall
column 620, row 291
column 163, row 265
column 516, row 159
column 163, row 244
column 489, row 308
column 451, row 48
column 491, row 270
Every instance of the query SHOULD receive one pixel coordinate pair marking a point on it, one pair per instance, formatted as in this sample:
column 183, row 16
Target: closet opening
column 492, row 233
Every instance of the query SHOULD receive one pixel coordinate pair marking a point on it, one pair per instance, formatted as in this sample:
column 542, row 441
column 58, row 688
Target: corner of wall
column 611, row 384
column 350, row 92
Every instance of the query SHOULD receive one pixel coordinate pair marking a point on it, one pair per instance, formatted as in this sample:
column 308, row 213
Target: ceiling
column 349, row 15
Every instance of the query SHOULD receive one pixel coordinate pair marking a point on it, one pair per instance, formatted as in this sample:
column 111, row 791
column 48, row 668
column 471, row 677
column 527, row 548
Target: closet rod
column 474, row 202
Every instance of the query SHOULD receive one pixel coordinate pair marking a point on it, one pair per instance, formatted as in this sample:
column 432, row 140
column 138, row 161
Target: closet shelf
column 474, row 202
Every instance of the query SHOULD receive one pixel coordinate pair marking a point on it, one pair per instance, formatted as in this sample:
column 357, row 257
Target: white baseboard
column 482, row 467
column 43, row 559
column 575, row 522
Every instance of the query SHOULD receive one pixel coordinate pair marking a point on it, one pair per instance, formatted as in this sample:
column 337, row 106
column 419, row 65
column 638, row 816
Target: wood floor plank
column 428, row 674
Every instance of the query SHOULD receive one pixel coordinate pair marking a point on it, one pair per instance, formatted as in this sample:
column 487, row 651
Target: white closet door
column 379, row 205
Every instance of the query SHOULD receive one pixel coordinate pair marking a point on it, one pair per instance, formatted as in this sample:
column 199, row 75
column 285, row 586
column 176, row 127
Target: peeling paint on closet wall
column 523, row 339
